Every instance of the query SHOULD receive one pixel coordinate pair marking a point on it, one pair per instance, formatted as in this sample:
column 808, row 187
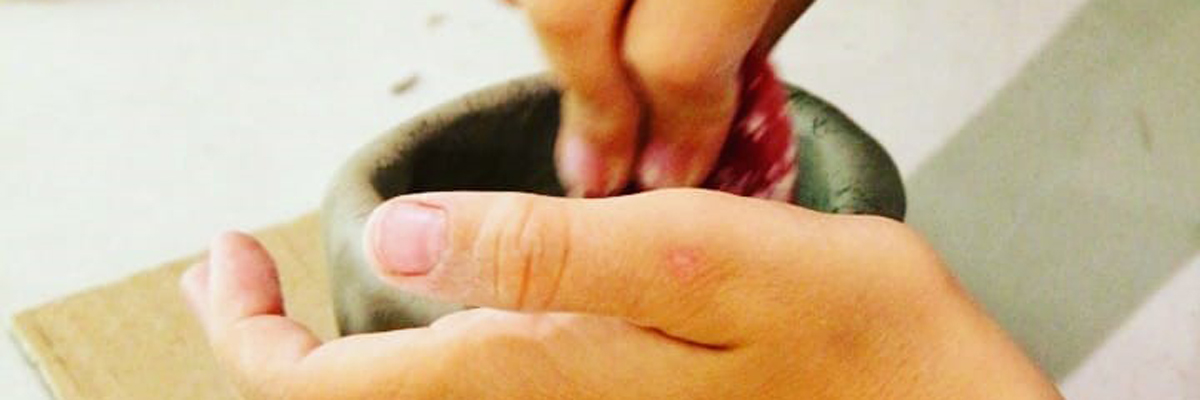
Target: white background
column 133, row 130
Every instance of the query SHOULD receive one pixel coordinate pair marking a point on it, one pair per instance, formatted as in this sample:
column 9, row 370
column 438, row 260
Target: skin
column 670, row 294
column 650, row 86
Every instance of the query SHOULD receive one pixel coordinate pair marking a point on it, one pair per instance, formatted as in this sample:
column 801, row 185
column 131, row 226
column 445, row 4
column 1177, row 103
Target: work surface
column 153, row 349
column 1046, row 144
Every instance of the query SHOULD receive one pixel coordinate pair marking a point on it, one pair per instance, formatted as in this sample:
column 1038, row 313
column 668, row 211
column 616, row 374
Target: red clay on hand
column 758, row 158
column 759, row 155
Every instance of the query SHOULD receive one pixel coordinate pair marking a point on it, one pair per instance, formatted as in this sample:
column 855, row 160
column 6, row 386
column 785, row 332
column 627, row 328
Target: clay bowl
column 501, row 139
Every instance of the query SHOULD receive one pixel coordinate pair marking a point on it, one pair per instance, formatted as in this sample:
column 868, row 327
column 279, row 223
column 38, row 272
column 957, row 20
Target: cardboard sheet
column 134, row 339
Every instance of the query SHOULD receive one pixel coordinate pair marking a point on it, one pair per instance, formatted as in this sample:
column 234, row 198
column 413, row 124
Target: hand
column 671, row 294
column 669, row 64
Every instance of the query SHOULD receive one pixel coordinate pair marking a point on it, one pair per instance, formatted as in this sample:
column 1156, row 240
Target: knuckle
column 666, row 71
column 523, row 243
column 607, row 116
column 914, row 264
column 601, row 103
column 899, row 235
column 891, row 228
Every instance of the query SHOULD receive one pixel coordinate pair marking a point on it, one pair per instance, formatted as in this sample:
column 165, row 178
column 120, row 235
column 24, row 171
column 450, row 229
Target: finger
column 686, row 56
column 784, row 14
column 488, row 353
column 681, row 261
column 242, row 281
column 520, row 355
column 237, row 299
column 600, row 111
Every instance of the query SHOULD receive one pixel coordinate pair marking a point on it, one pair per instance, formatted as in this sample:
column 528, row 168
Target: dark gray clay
column 501, row 139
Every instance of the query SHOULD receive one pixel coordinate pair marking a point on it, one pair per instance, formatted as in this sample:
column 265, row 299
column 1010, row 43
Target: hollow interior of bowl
column 501, row 147
column 508, row 146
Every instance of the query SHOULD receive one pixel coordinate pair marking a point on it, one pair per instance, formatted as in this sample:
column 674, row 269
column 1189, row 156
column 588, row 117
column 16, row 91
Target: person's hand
column 669, row 67
column 672, row 294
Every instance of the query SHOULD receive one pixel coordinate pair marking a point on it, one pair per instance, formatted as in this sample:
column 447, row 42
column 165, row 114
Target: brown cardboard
column 134, row 339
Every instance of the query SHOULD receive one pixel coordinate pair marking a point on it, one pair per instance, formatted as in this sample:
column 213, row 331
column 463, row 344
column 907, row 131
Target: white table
column 121, row 120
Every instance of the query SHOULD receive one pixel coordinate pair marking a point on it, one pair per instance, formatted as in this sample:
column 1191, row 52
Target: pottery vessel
column 502, row 139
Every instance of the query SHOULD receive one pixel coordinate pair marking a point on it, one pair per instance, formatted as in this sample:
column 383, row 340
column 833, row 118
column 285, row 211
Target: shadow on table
column 1075, row 194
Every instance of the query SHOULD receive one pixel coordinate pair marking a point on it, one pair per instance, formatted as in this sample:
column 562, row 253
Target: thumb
column 684, row 261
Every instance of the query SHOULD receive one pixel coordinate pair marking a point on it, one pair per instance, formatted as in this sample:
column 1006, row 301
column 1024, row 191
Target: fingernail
column 409, row 238
column 585, row 171
column 665, row 166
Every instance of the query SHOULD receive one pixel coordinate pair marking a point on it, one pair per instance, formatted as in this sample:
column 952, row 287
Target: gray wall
column 1076, row 193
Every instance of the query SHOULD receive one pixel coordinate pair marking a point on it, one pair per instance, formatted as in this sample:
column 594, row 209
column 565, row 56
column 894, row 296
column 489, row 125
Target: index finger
column 686, row 55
